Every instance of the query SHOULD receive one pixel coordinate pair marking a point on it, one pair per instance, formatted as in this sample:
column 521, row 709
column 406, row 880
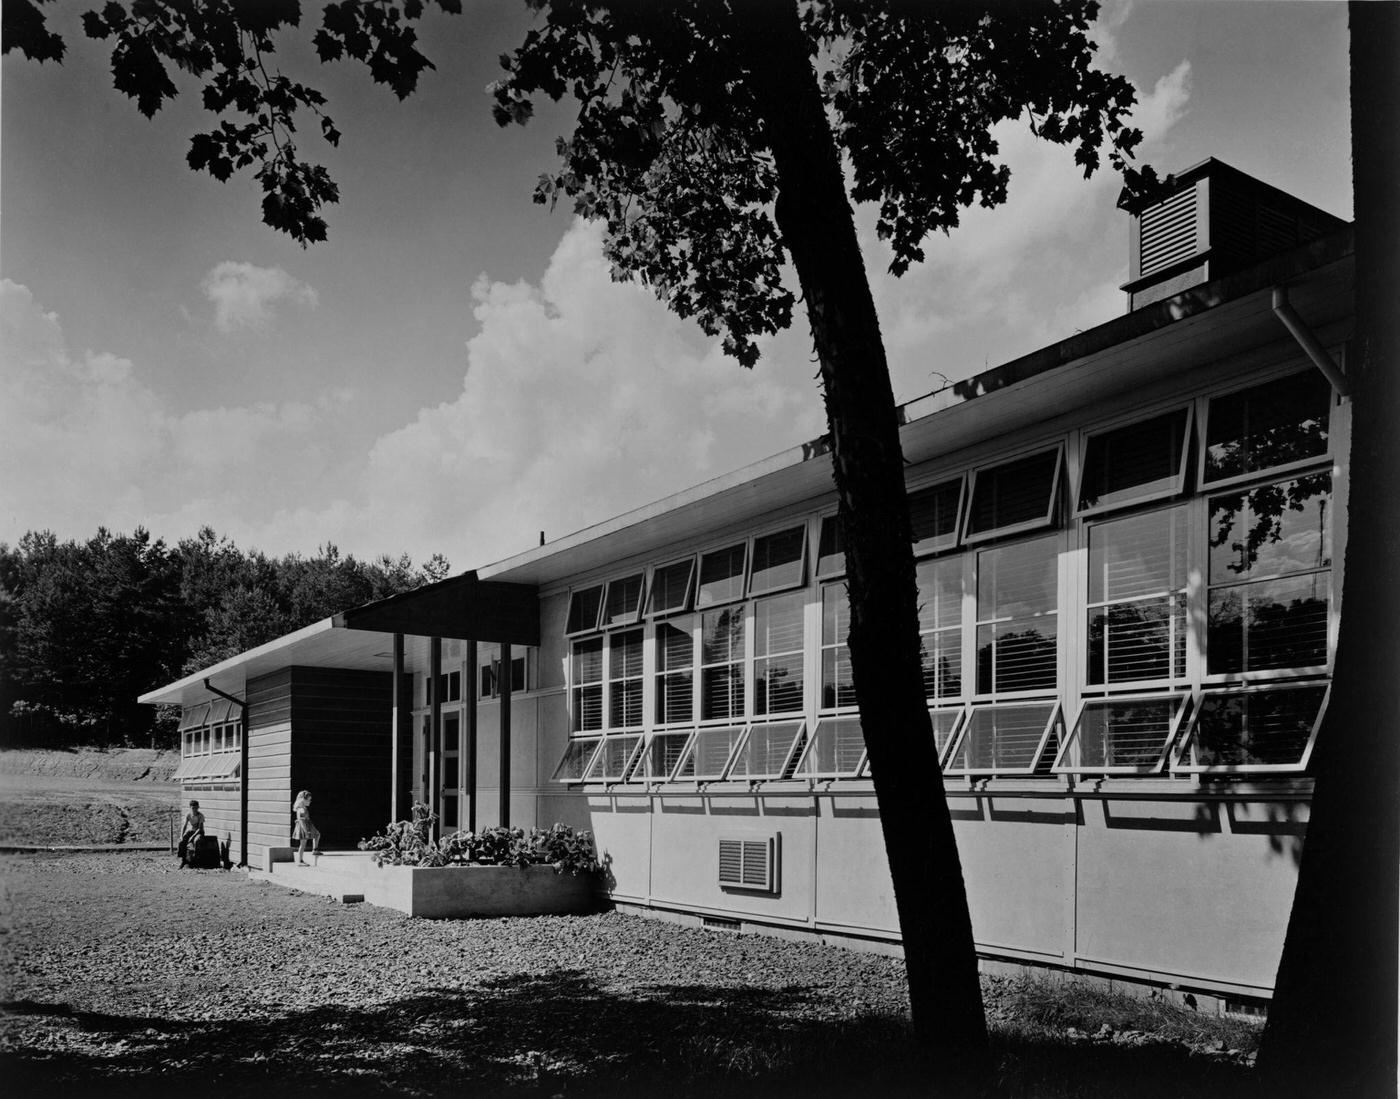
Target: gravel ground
column 123, row 975
column 206, row 982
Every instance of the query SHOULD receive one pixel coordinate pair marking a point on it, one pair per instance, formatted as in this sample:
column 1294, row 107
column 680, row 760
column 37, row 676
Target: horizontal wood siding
column 269, row 776
column 342, row 748
column 220, row 805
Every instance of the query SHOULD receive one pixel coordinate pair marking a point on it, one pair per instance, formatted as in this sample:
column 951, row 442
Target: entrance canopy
column 461, row 608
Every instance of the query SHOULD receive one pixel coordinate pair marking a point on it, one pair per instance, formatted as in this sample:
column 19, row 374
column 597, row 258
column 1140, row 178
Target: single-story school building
column 1129, row 548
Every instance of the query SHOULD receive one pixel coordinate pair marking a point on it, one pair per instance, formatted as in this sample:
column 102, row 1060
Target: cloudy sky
column 454, row 371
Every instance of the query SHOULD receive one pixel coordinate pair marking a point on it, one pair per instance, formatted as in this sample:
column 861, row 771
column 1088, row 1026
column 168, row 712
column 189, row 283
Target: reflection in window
column 1270, row 425
column 1016, row 616
column 1269, row 729
column 721, row 576
column 778, row 561
column 1137, row 598
column 838, row 688
column 1123, row 735
column 675, row 655
column 1270, row 576
column 778, row 651
column 1140, row 461
column 940, row 626
column 722, row 663
column 588, row 685
column 625, row 679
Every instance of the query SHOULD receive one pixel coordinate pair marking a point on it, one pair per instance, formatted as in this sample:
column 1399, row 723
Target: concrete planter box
column 465, row 891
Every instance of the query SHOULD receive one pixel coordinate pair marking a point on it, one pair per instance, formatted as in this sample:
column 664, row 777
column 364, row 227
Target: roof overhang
column 461, row 608
column 1149, row 349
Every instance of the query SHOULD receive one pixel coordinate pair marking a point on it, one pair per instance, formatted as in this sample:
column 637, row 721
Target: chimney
column 1212, row 221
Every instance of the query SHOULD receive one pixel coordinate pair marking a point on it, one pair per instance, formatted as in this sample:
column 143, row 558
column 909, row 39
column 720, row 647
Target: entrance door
column 451, row 773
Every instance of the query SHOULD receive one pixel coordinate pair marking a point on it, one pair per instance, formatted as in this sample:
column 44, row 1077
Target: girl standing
column 305, row 829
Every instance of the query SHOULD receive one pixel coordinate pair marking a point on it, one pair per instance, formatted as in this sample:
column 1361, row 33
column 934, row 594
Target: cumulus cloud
column 85, row 442
column 583, row 398
column 244, row 294
column 1009, row 280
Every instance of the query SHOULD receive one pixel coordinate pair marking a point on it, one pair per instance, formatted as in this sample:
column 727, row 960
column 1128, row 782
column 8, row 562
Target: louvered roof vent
column 1213, row 220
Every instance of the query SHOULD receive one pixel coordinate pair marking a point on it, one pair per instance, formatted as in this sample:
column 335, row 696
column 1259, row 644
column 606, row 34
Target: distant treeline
column 85, row 627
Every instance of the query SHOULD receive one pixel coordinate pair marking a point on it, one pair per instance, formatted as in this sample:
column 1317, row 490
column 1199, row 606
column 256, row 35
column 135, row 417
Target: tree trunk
column 1332, row 1026
column 814, row 216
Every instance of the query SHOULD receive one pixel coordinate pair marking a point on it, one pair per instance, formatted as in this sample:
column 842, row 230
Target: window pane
column 1142, row 640
column 1280, row 534
column 722, row 654
column 1269, row 624
column 1137, row 612
column 1021, row 491
column 576, row 757
column 777, row 561
column 662, row 753
column 712, row 749
column 1135, row 462
column 583, row 610
column 838, row 688
column 1125, row 733
column 1271, row 530
column 611, row 762
column 933, row 515
column 1018, row 628
column 674, row 656
column 945, row 722
column 451, row 732
column 1003, row 738
column 1256, row 728
column 588, row 661
column 624, row 602
column 835, row 749
column 831, row 554
column 670, row 588
column 778, row 649
column 1142, row 555
column 768, row 752
column 722, row 635
column 722, row 691
column 1269, row 425
column 721, row 576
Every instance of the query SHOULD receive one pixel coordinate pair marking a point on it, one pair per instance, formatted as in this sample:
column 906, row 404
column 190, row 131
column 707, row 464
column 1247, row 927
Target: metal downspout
column 242, row 705
column 1284, row 311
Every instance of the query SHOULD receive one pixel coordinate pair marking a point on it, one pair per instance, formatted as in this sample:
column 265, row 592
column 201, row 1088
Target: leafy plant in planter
column 409, row 843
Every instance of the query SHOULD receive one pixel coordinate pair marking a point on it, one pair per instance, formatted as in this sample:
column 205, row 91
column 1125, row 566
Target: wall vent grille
column 746, row 863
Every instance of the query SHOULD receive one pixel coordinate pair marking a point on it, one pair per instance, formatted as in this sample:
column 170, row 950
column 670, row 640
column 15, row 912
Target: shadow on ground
column 560, row 1034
